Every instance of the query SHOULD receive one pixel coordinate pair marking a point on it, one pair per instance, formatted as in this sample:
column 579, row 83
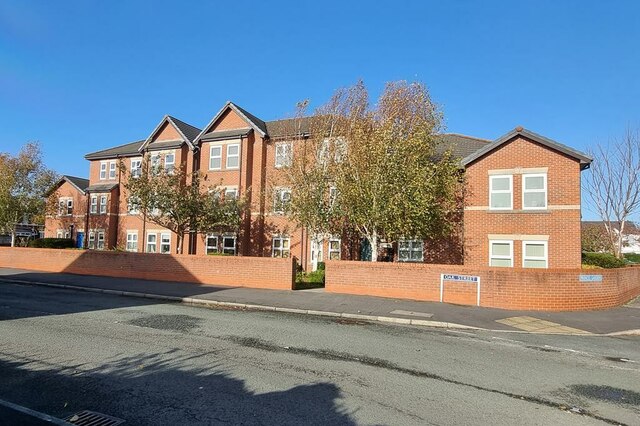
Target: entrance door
column 79, row 239
column 316, row 253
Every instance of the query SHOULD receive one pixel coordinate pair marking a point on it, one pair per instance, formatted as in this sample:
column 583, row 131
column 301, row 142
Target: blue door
column 79, row 239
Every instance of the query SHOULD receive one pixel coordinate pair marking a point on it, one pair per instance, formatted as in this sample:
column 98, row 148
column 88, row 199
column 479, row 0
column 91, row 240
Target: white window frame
column 100, row 240
column 283, row 154
column 337, row 251
column 500, row 191
column 278, row 199
column 94, row 204
column 235, row 244
column 231, row 193
column 91, row 244
column 69, row 211
column 236, row 156
column 112, row 170
column 501, row 257
column 215, row 157
column 529, row 191
column 59, row 233
column 153, row 243
column 164, row 243
column 136, row 167
column 103, row 170
column 132, row 241
column 545, row 244
column 280, row 251
column 103, row 204
column 170, row 166
column 133, row 205
column 212, row 249
column 410, row 250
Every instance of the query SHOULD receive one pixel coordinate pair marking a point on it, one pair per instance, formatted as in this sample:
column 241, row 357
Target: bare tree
column 614, row 185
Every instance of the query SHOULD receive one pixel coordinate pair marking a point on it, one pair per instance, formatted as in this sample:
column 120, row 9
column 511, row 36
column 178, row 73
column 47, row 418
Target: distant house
column 69, row 218
column 595, row 229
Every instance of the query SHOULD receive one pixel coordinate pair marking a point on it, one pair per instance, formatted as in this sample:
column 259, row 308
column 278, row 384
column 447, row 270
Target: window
column 103, row 204
column 132, row 241
column 112, row 170
column 281, row 246
column 94, row 204
column 154, row 161
column 67, row 234
column 230, row 194
column 501, row 192
column 410, row 251
column 69, row 207
column 100, row 245
column 212, row 244
column 332, row 146
column 333, row 195
column 165, row 243
column 152, row 239
column 534, row 191
column 61, row 207
column 103, row 170
column 59, row 233
column 229, row 244
column 170, row 162
column 133, row 205
column 281, row 200
column 501, row 253
column 534, row 254
column 233, row 156
column 283, row 154
column 215, row 158
column 334, row 249
column 136, row 167
column 92, row 240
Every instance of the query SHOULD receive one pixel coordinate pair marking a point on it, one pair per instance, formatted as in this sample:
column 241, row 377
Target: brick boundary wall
column 543, row 290
column 237, row 271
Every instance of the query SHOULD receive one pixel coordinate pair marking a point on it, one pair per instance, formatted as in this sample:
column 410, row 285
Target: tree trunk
column 373, row 241
column 619, row 242
column 180, row 238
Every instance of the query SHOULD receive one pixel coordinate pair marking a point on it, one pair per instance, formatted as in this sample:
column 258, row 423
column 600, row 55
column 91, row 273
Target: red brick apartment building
column 522, row 205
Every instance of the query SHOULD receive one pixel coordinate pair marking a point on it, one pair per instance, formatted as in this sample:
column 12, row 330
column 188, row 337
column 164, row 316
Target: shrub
column 52, row 243
column 632, row 257
column 604, row 260
column 320, row 266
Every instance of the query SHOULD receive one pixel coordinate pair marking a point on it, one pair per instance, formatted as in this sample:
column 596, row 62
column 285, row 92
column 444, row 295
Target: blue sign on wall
column 590, row 278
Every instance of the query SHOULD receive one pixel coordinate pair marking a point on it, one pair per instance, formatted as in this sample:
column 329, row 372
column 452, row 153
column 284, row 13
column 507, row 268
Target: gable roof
column 584, row 159
column 126, row 150
column 461, row 146
column 254, row 122
column 81, row 184
column 288, row 127
column 186, row 131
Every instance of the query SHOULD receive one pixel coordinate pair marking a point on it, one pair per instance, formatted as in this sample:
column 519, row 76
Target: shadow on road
column 152, row 389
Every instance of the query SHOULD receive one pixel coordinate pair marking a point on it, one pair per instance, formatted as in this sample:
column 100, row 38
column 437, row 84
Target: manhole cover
column 91, row 418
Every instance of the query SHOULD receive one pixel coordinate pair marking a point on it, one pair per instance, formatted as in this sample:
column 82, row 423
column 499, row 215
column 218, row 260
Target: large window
column 92, row 240
column 165, row 243
column 103, row 204
column 152, row 241
column 212, row 244
column 501, row 253
column 534, row 191
column 170, row 162
column 534, row 254
column 215, row 158
column 281, row 200
column 410, row 251
column 112, row 170
column 233, row 156
column 136, row 167
column 283, row 154
column 100, row 245
column 281, row 246
column 334, row 249
column 94, row 204
column 132, row 241
column 103, row 170
column 501, row 192
column 228, row 242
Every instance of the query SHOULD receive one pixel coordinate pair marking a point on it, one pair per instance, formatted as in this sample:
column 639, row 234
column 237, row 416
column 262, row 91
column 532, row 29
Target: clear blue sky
column 79, row 76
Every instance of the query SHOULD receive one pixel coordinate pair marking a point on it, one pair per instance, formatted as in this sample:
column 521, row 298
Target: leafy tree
column 374, row 169
column 177, row 201
column 24, row 182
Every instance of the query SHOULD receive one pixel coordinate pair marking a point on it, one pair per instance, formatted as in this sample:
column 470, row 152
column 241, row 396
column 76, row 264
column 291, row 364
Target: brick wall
column 546, row 290
column 214, row 270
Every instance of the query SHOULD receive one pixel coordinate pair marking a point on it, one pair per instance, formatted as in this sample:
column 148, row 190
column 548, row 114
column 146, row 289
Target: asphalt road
column 63, row 351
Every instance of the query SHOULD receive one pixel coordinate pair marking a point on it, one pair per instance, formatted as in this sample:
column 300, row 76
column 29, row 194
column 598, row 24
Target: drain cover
column 91, row 418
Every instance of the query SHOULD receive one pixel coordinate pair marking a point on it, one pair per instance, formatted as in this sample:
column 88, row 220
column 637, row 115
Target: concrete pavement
column 622, row 320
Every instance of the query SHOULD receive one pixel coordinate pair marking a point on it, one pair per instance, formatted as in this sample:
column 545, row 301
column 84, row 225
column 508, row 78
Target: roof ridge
column 466, row 136
column 183, row 122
